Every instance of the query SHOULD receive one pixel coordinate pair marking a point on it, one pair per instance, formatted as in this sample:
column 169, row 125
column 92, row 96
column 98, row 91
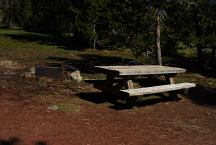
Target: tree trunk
column 94, row 36
column 158, row 48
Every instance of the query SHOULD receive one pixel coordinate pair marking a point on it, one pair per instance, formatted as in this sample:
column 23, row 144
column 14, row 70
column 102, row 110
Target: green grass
column 29, row 49
column 68, row 108
column 13, row 46
column 188, row 52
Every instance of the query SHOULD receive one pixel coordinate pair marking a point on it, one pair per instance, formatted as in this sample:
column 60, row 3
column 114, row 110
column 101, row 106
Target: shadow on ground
column 203, row 96
column 208, row 68
column 198, row 95
column 41, row 143
column 66, row 43
column 86, row 62
column 17, row 141
column 31, row 37
column 10, row 141
column 116, row 104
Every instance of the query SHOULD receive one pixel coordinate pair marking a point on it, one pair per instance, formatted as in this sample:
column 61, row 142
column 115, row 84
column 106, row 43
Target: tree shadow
column 193, row 65
column 200, row 95
column 86, row 62
column 17, row 141
column 117, row 103
column 41, row 143
column 10, row 141
column 32, row 37
column 67, row 43
column 203, row 96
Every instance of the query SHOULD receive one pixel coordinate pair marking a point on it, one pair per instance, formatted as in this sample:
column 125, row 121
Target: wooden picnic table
column 127, row 73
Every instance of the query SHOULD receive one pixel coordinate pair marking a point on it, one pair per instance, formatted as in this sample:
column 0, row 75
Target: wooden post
column 170, row 79
column 128, row 83
column 186, row 91
column 173, row 94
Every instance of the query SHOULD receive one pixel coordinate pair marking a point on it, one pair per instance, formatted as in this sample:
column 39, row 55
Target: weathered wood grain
column 129, row 84
column 139, row 70
column 157, row 89
column 170, row 78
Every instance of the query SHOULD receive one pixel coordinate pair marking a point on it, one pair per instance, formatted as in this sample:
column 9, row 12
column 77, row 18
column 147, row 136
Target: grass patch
column 27, row 49
column 31, row 48
column 188, row 52
column 68, row 108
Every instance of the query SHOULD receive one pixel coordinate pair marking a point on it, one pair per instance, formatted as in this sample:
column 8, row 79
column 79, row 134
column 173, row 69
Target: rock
column 53, row 107
column 73, row 76
column 72, row 73
column 32, row 70
column 27, row 75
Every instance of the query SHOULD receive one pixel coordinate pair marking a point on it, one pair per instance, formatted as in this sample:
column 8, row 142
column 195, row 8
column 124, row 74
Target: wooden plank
column 158, row 89
column 104, row 70
column 139, row 70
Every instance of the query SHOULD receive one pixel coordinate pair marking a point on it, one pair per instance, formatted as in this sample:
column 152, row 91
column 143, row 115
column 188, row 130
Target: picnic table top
column 139, row 70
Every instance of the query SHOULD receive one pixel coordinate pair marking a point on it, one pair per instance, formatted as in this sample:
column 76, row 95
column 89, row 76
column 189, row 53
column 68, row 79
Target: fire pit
column 54, row 71
column 51, row 70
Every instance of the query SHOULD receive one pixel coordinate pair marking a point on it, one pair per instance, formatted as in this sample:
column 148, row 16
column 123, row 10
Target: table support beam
column 109, row 80
column 170, row 79
column 128, row 83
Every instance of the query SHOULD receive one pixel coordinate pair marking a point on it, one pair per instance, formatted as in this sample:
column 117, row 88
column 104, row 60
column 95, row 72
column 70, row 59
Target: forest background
column 123, row 24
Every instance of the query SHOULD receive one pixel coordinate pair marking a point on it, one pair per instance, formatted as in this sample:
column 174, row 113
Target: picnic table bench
column 128, row 73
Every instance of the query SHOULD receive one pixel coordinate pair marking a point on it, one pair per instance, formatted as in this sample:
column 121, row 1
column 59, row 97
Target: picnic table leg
column 109, row 80
column 173, row 94
column 129, row 85
column 186, row 92
column 170, row 79
column 109, row 88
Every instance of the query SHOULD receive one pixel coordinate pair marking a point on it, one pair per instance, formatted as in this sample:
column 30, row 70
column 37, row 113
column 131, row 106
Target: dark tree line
column 116, row 24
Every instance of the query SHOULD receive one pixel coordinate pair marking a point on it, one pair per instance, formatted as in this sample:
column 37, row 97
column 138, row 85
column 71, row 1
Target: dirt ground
column 47, row 112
